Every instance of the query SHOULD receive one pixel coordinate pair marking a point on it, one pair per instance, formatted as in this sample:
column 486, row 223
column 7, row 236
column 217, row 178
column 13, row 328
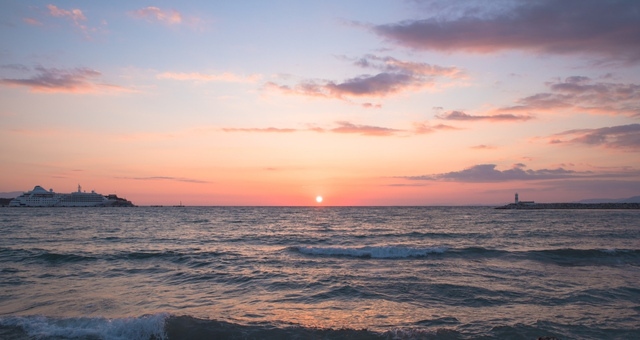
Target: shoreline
column 538, row 206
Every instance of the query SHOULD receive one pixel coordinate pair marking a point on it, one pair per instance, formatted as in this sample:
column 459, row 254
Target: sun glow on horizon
column 319, row 199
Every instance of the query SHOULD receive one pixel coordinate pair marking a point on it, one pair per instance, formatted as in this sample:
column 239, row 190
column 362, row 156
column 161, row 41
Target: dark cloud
column 579, row 93
column 619, row 137
column 489, row 173
column 393, row 76
column 15, row 67
column 377, row 85
column 608, row 29
column 77, row 80
column 459, row 115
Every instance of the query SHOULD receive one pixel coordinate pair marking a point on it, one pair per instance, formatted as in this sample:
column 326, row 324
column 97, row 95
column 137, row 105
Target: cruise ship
column 39, row 197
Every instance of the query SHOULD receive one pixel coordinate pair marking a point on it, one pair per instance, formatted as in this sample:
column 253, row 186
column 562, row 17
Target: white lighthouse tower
column 516, row 198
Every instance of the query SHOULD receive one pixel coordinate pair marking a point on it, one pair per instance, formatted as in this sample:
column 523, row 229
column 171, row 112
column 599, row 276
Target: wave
column 384, row 252
column 56, row 257
column 40, row 327
column 559, row 256
column 164, row 326
column 196, row 257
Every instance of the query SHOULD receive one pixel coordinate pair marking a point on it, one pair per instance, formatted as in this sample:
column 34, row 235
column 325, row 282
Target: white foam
column 143, row 327
column 385, row 252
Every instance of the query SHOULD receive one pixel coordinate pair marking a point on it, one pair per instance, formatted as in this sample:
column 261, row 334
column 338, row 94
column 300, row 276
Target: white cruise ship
column 39, row 197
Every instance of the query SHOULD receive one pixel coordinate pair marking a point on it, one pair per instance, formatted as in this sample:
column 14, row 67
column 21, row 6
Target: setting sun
column 319, row 199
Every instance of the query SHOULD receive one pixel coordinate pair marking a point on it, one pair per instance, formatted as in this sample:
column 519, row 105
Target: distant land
column 624, row 203
column 11, row 195
column 634, row 199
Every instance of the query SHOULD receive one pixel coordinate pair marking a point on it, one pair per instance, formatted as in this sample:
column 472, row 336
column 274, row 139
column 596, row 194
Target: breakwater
column 534, row 206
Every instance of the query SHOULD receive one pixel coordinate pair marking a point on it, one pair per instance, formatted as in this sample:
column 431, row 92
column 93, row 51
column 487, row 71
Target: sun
column 319, row 199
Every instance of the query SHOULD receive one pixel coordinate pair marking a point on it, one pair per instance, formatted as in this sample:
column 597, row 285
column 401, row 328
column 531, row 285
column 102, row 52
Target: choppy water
column 318, row 273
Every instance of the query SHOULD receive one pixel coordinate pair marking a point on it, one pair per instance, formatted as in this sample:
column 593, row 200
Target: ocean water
column 318, row 273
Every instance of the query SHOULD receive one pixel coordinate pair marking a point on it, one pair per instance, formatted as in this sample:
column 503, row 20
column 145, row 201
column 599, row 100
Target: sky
column 361, row 102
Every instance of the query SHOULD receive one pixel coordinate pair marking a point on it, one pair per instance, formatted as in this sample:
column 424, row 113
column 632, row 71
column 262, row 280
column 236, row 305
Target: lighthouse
column 516, row 198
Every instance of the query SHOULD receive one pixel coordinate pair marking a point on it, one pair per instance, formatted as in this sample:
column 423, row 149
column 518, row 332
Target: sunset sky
column 361, row 102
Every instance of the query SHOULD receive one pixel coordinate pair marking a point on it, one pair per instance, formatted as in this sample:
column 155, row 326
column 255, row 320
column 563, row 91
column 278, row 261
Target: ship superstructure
column 39, row 197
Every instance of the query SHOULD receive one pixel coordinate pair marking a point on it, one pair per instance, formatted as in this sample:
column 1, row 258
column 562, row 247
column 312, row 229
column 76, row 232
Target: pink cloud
column 32, row 21
column 603, row 28
column 422, row 128
column 366, row 130
column 75, row 15
column 205, row 77
column 170, row 17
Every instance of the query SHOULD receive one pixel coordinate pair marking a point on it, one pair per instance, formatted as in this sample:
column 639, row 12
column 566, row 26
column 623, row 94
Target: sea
column 318, row 273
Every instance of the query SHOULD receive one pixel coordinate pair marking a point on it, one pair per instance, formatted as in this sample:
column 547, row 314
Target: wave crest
column 381, row 252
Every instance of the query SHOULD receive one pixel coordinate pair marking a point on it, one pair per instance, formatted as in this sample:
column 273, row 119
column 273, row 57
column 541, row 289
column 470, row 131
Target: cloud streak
column 260, row 130
column 77, row 80
column 208, row 77
column 578, row 93
column 365, row 130
column 422, row 128
column 603, row 28
column 345, row 127
column 167, row 178
column 462, row 116
column 616, row 137
column 394, row 76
